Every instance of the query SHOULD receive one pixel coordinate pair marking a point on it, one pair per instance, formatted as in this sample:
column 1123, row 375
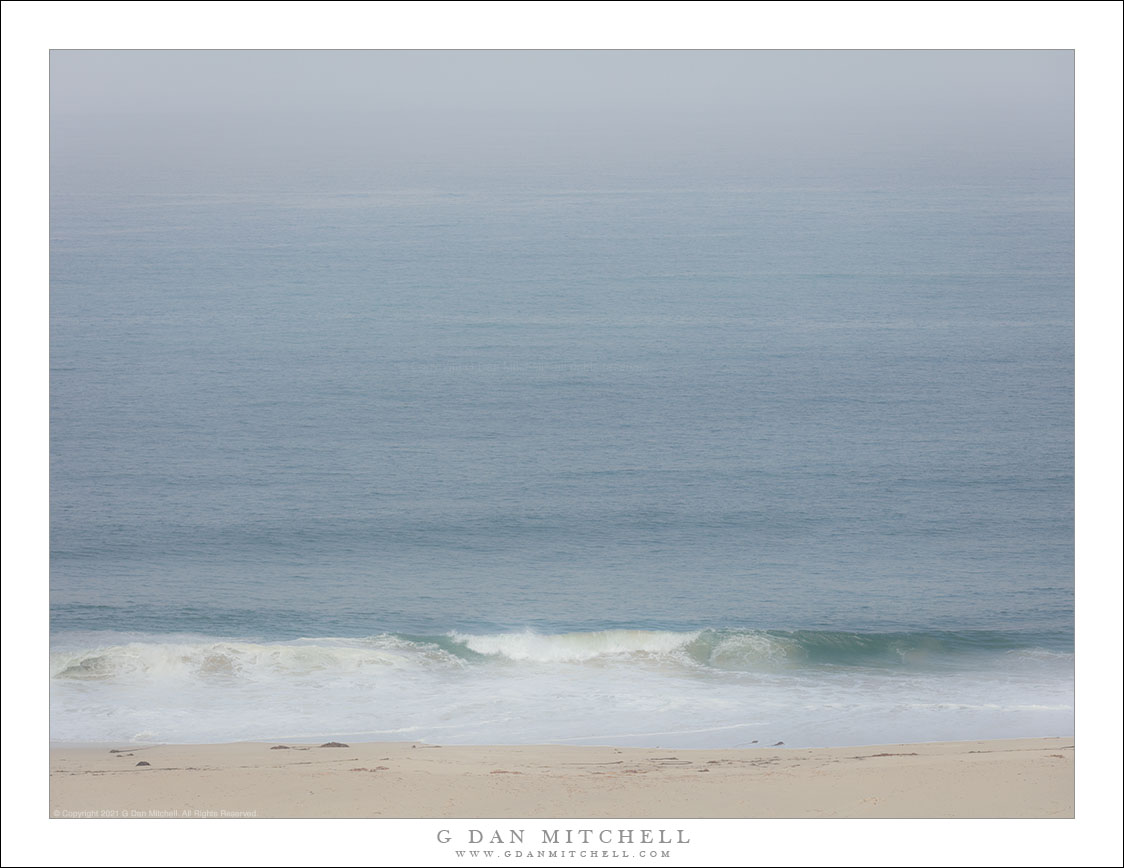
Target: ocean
column 705, row 466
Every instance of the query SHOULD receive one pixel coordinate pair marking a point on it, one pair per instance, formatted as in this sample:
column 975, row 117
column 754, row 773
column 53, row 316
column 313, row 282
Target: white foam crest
column 576, row 647
column 242, row 659
column 1043, row 655
column 753, row 651
column 641, row 688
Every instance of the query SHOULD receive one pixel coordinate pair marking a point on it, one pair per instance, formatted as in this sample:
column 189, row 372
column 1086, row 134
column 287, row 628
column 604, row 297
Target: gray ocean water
column 667, row 466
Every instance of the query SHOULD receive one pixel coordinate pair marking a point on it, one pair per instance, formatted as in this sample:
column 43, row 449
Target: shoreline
column 1025, row 777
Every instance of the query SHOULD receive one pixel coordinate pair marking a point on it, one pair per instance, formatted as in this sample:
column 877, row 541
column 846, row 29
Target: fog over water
column 223, row 120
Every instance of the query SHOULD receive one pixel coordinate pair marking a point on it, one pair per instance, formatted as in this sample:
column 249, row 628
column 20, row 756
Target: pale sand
column 1011, row 778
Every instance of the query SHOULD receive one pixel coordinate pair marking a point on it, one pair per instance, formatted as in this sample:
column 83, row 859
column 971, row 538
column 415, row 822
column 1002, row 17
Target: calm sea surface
column 654, row 467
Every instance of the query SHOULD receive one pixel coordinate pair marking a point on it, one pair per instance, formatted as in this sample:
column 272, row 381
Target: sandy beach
column 1031, row 778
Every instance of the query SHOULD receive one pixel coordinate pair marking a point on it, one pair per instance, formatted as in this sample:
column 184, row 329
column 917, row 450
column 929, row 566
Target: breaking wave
column 719, row 650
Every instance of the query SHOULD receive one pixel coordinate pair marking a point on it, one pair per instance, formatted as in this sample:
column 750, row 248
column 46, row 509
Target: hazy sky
column 867, row 82
column 377, row 116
